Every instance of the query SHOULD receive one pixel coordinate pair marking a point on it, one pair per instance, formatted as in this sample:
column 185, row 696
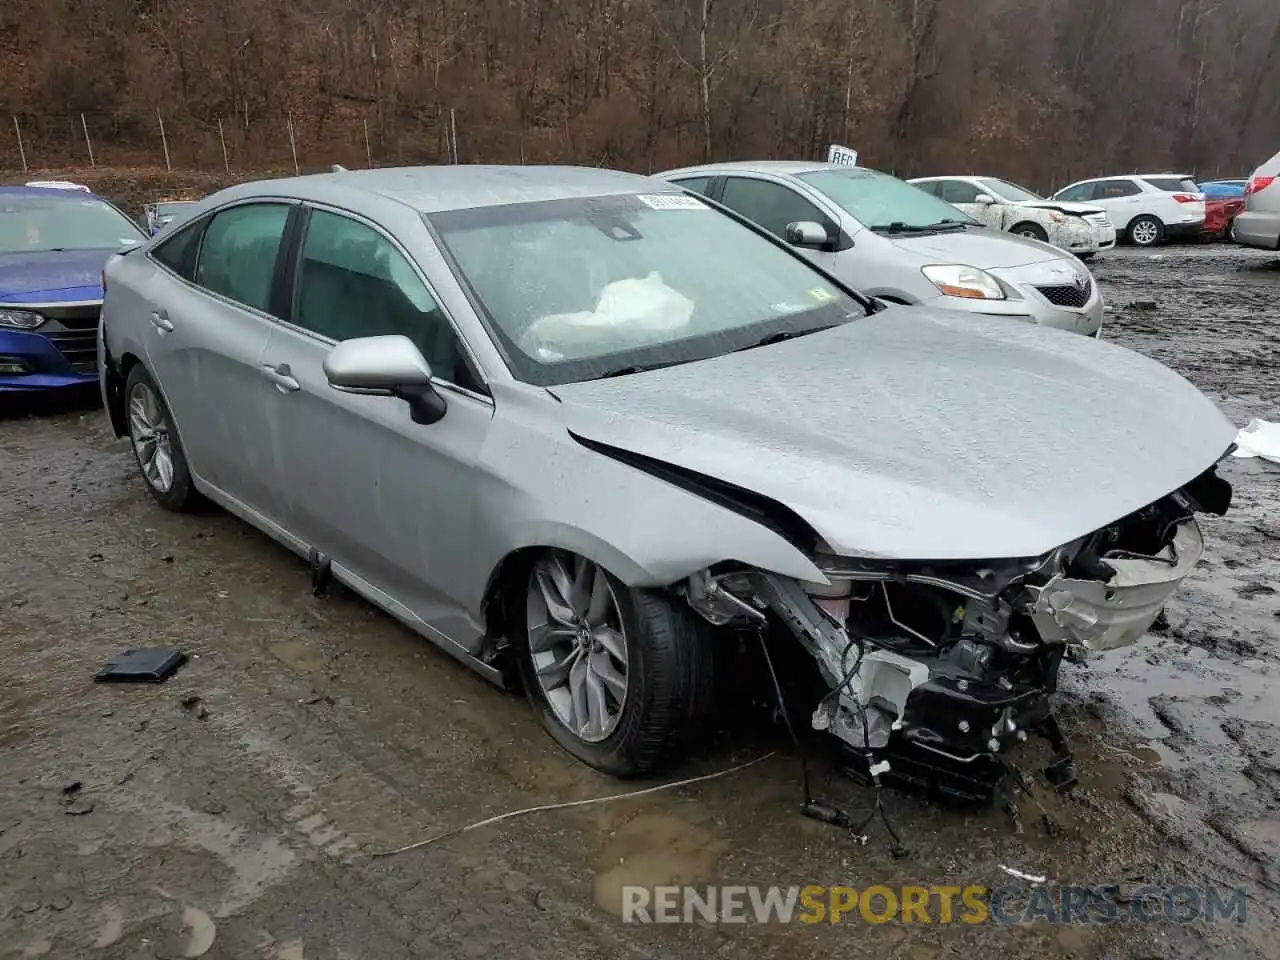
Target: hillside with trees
column 1038, row 90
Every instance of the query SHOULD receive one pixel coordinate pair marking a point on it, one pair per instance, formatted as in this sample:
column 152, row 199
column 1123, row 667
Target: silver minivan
column 898, row 243
column 1259, row 225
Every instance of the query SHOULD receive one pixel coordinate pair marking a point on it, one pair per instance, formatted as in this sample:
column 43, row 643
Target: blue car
column 53, row 246
column 1223, row 189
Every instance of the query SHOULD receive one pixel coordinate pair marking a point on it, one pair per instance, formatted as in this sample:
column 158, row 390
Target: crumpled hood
column 1066, row 206
column 922, row 434
column 69, row 276
column 977, row 247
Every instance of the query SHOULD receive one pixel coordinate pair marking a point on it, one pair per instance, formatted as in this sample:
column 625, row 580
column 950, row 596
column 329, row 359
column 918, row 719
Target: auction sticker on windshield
column 821, row 295
column 671, row 201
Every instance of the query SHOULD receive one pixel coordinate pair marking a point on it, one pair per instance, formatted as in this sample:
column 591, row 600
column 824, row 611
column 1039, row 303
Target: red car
column 1218, row 214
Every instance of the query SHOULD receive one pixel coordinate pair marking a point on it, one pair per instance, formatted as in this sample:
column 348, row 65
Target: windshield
column 41, row 224
column 884, row 203
column 1173, row 184
column 1009, row 191
column 583, row 288
column 173, row 208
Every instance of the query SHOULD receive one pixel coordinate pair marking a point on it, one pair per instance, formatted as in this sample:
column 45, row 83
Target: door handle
column 160, row 320
column 282, row 377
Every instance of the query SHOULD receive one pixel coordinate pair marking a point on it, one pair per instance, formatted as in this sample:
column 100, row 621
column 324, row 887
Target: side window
column 353, row 282
column 238, row 256
column 957, row 191
column 1114, row 189
column 933, row 187
column 1081, row 191
column 697, row 184
column 178, row 253
column 770, row 205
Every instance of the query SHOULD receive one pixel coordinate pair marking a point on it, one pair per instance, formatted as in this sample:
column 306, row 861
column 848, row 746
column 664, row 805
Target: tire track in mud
column 1204, row 693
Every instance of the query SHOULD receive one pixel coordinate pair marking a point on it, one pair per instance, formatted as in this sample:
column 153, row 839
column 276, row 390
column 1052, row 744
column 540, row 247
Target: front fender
column 539, row 487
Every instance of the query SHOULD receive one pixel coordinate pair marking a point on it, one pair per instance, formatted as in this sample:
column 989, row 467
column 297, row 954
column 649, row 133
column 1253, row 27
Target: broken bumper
column 1104, row 616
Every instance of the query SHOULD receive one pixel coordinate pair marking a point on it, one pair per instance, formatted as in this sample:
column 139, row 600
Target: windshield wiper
column 780, row 335
column 899, row 227
column 623, row 371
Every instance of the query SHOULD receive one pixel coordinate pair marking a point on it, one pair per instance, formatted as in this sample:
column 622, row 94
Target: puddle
column 654, row 850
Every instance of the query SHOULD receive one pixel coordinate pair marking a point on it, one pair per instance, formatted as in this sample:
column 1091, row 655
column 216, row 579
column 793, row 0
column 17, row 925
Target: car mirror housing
column 386, row 366
column 807, row 233
column 985, row 199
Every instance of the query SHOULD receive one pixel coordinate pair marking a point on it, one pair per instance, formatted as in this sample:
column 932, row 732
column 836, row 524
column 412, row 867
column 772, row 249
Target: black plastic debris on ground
column 152, row 665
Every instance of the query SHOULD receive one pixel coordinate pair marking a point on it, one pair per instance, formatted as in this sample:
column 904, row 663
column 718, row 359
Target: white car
column 58, row 185
column 1078, row 228
column 1147, row 208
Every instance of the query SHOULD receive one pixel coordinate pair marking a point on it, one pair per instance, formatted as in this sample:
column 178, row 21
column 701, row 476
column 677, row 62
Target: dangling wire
column 816, row 809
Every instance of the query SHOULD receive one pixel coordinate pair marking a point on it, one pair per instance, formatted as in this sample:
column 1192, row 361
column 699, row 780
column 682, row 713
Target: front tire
column 1145, row 231
column 1032, row 231
column 619, row 677
column 155, row 443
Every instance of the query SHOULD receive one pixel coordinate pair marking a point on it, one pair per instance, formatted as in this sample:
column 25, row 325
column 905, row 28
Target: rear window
column 1173, row 184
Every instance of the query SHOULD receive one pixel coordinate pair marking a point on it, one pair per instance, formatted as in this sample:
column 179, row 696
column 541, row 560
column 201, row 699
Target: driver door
column 389, row 500
column 773, row 206
column 964, row 196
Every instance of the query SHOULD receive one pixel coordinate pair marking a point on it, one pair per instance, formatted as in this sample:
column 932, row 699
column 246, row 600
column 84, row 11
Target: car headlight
column 955, row 280
column 1057, row 217
column 20, row 319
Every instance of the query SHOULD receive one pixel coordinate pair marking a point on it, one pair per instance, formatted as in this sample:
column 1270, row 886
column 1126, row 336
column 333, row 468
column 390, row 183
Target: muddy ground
column 141, row 822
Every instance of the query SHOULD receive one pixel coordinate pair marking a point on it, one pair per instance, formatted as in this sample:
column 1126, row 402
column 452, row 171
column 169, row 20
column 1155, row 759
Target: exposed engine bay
column 934, row 670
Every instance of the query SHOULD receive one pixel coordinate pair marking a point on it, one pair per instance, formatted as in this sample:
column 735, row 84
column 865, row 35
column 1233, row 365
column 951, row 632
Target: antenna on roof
column 337, row 168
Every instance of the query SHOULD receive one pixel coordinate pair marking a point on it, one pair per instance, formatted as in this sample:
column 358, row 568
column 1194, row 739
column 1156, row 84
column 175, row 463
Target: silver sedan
column 896, row 241
column 581, row 429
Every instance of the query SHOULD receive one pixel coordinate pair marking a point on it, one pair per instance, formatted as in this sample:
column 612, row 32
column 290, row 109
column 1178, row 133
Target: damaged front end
column 934, row 669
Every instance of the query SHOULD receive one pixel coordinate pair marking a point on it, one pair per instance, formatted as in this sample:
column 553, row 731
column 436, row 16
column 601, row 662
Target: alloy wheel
column 1145, row 233
column 577, row 644
column 149, row 431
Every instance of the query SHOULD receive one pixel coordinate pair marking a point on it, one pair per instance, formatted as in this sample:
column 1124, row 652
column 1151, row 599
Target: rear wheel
column 1032, row 231
column 1145, row 231
column 155, row 443
column 619, row 677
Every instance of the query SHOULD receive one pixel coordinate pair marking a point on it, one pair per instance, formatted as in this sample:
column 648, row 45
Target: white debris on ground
column 1260, row 438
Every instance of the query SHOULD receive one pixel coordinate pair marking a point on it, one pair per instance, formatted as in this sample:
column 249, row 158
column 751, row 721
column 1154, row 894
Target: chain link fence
column 34, row 141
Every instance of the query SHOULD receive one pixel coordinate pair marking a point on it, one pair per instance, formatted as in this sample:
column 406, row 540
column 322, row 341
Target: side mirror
column 985, row 199
column 390, row 366
column 807, row 233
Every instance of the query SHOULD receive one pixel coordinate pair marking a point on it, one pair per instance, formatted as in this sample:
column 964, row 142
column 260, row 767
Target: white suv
column 1146, row 208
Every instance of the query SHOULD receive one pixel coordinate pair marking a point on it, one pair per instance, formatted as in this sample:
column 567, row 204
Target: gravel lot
column 142, row 822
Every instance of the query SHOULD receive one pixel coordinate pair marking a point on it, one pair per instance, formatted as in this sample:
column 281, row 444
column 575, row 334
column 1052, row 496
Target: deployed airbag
column 630, row 313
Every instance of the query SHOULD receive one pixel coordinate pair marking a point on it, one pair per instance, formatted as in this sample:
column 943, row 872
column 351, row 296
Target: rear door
column 385, row 498
column 210, row 319
column 1122, row 198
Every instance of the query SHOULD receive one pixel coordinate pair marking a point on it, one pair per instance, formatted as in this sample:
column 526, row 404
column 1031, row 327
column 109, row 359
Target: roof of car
column 60, row 192
column 463, row 187
column 762, row 166
column 1132, row 176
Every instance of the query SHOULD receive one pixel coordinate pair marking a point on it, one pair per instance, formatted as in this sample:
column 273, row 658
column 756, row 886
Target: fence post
column 293, row 146
column 85, row 127
column 226, row 163
column 368, row 151
column 164, row 141
column 453, row 132
column 22, row 151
